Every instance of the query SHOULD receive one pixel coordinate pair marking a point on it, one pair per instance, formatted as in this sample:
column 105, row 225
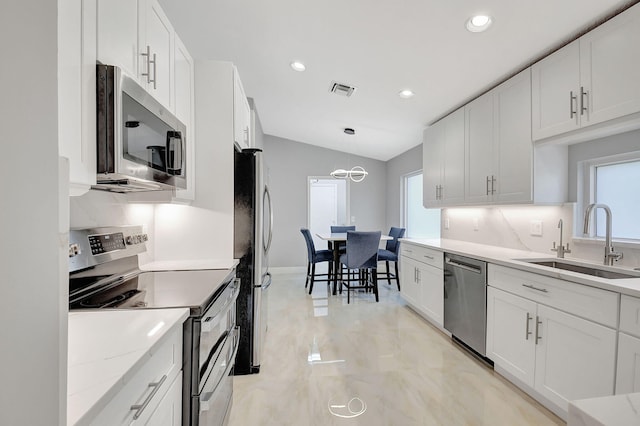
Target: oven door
column 213, row 405
column 216, row 325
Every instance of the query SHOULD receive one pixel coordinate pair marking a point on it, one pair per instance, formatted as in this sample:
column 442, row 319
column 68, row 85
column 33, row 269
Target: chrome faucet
column 561, row 249
column 609, row 253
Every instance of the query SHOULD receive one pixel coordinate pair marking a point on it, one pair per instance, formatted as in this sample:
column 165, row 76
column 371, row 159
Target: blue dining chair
column 341, row 228
column 315, row 256
column 361, row 255
column 390, row 254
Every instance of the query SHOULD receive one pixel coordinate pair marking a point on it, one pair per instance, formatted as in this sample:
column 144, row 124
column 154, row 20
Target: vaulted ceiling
column 380, row 47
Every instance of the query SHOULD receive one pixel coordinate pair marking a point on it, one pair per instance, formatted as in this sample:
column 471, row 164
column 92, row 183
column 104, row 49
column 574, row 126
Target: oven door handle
column 205, row 403
column 206, row 325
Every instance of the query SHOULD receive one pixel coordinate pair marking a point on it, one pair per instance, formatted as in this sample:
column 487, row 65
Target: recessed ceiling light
column 406, row 94
column 479, row 23
column 298, row 66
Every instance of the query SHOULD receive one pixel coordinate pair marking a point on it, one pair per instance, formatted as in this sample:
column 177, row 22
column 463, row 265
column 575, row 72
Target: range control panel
column 93, row 246
column 106, row 243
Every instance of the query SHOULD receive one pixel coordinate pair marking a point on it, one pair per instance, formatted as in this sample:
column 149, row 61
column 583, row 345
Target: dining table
column 337, row 240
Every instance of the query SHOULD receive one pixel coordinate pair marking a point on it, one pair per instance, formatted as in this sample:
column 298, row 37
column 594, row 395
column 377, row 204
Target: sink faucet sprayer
column 561, row 249
column 609, row 253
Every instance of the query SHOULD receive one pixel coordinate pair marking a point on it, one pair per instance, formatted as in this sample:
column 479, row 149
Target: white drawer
column 162, row 365
column 422, row 254
column 630, row 315
column 588, row 302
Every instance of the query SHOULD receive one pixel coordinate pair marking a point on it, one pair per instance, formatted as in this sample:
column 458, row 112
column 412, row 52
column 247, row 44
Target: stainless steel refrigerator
column 253, row 226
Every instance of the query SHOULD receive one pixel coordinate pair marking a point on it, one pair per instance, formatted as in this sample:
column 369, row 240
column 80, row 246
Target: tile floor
column 367, row 363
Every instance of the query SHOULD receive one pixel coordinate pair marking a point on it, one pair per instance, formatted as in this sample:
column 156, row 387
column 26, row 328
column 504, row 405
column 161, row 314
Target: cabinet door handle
column 493, row 184
column 583, row 94
column 538, row 322
column 528, row 333
column 155, row 72
column 487, row 185
column 140, row 407
column 147, row 54
column 572, row 98
column 544, row 290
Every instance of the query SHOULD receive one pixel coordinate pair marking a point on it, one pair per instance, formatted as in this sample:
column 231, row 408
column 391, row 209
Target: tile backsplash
column 532, row 228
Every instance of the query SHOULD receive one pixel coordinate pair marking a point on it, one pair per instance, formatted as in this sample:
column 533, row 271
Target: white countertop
column 617, row 410
column 189, row 265
column 105, row 349
column 507, row 257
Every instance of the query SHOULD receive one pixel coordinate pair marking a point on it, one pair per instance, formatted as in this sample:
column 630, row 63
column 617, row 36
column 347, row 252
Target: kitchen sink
column 592, row 270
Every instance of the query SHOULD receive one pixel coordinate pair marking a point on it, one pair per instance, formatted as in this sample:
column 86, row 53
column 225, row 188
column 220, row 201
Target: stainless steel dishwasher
column 465, row 300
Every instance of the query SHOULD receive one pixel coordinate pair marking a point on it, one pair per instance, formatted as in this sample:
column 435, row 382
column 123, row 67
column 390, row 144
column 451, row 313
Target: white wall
column 408, row 162
column 33, row 222
column 290, row 164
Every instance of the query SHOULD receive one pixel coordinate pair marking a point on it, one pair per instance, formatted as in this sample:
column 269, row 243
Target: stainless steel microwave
column 141, row 145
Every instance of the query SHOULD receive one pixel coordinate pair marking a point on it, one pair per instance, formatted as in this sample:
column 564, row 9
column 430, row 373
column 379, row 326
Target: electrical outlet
column 353, row 220
column 446, row 223
column 536, row 228
column 476, row 225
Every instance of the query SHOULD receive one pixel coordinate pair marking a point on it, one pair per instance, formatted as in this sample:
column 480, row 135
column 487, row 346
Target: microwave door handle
column 174, row 151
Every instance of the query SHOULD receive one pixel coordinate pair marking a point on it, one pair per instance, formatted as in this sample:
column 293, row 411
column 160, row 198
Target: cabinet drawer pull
column 528, row 333
column 572, row 98
column 140, row 407
column 538, row 322
column 583, row 94
column 428, row 257
column 544, row 290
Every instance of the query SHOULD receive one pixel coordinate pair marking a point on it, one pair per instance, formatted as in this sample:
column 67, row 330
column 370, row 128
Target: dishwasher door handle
column 464, row 266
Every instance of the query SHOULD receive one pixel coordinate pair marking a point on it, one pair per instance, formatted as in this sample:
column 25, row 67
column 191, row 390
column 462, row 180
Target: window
column 420, row 222
column 618, row 186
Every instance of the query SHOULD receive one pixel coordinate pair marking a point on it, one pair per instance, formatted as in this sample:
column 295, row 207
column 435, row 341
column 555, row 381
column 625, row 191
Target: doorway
column 327, row 206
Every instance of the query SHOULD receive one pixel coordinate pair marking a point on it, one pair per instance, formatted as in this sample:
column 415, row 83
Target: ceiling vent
column 341, row 89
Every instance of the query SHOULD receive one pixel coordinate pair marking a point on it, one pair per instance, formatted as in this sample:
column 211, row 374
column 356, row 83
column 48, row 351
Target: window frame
column 404, row 183
column 586, row 194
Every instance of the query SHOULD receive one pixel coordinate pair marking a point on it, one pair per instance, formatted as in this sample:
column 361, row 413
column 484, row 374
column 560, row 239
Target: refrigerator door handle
column 267, row 199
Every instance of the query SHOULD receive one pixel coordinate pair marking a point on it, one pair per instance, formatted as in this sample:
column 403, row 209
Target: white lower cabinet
column 169, row 411
column 422, row 281
column 561, row 356
column 150, row 395
column 628, row 374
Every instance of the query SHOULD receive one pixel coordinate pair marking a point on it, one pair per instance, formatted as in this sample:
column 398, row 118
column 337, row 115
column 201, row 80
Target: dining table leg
column 336, row 265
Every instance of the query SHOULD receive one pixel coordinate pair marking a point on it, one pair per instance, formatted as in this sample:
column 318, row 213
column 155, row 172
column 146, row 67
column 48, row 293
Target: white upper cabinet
column 184, row 108
column 555, row 90
column 609, row 63
column 498, row 146
column 77, row 91
column 433, row 141
column 443, row 161
column 241, row 114
column 592, row 80
column 155, row 61
column 512, row 140
column 480, row 176
column 118, row 34
column 138, row 37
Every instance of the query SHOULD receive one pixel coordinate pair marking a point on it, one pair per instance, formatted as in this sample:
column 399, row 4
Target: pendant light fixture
column 356, row 173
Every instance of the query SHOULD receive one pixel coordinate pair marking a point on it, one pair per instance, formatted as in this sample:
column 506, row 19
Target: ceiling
column 381, row 47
